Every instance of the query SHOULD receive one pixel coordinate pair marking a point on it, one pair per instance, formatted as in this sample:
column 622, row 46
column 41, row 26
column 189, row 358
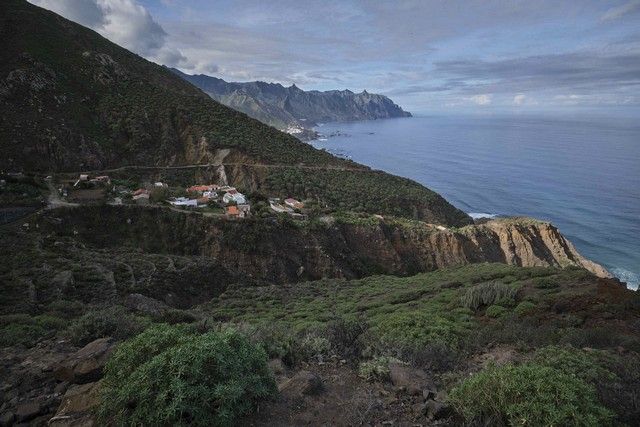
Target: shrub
column 545, row 283
column 65, row 309
column 26, row 330
column 487, row 294
column 345, row 336
column 496, row 311
column 178, row 377
column 114, row 322
column 529, row 394
column 376, row 369
column 586, row 365
column 313, row 346
column 524, row 308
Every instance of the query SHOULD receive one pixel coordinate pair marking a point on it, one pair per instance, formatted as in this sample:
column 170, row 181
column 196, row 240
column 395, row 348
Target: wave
column 478, row 215
column 629, row 277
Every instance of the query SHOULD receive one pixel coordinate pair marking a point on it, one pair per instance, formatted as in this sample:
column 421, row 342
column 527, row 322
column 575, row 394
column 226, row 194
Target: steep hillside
column 70, row 100
column 291, row 108
column 100, row 252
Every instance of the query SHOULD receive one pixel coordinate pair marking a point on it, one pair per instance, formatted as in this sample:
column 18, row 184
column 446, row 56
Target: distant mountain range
column 292, row 109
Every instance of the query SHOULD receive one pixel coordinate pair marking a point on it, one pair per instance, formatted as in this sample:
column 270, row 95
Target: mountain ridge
column 292, row 109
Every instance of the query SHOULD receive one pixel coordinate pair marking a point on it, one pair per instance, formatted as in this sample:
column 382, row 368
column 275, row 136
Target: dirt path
column 54, row 200
column 207, row 165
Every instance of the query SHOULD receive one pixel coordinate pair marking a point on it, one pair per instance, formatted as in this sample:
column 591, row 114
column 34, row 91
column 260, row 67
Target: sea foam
column 478, row 215
column 629, row 277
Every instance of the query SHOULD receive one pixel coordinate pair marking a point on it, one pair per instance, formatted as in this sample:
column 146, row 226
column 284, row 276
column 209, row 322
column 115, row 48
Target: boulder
column 77, row 407
column 6, row 418
column 438, row 410
column 28, row 411
column 86, row 364
column 409, row 379
column 146, row 305
column 302, row 383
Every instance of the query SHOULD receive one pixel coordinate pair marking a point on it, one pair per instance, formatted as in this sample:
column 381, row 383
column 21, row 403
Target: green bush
column 587, row 365
column 545, row 283
column 114, row 322
column 529, row 394
column 169, row 375
column 65, row 309
column 487, row 294
column 524, row 308
column 376, row 369
column 26, row 330
column 496, row 311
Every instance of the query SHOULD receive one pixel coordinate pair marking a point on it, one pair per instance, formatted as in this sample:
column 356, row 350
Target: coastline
column 434, row 162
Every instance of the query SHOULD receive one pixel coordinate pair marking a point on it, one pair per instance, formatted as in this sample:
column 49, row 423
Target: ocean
column 583, row 175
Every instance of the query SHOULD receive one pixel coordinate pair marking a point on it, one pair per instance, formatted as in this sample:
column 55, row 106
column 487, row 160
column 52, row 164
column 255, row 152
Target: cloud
column 124, row 22
column 577, row 72
column 619, row 11
column 519, row 99
column 84, row 12
column 484, row 99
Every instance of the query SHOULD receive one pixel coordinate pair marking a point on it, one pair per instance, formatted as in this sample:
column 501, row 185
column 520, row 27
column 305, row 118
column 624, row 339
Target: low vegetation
column 170, row 375
column 528, row 394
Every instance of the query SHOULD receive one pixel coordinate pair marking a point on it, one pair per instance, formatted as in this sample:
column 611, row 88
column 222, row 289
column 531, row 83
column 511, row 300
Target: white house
column 183, row 201
column 234, row 196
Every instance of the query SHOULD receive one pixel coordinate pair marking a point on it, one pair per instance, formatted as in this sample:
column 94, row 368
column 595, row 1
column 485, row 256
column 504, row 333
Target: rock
column 146, row 305
column 428, row 394
column 6, row 418
column 302, row 383
column 437, row 410
column 86, row 364
column 276, row 366
column 419, row 409
column 410, row 379
column 79, row 399
column 27, row 411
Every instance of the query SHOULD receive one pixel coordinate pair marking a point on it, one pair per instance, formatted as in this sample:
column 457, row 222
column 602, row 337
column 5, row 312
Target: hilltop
column 70, row 100
column 292, row 109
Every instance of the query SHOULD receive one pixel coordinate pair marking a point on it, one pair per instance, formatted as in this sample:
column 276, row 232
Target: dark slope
column 285, row 107
column 71, row 100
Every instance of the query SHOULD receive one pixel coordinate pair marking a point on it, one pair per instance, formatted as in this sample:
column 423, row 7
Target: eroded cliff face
column 276, row 251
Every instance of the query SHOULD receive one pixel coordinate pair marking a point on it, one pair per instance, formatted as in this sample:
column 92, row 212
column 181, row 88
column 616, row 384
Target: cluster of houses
column 234, row 203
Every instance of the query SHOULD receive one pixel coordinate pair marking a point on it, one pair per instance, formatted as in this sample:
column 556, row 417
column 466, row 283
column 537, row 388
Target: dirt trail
column 53, row 200
column 206, row 165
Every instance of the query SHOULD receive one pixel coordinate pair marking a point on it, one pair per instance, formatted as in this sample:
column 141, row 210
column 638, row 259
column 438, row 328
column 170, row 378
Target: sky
column 429, row 56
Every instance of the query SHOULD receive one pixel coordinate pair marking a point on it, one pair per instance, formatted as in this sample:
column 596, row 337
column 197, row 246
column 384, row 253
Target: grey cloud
column 84, row 12
column 584, row 72
column 122, row 21
column 620, row 11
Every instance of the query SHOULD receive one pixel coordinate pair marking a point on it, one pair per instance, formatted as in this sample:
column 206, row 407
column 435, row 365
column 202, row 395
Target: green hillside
column 70, row 100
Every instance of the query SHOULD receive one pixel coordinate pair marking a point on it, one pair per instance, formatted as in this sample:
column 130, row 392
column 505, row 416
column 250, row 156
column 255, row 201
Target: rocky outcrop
column 86, row 364
column 276, row 252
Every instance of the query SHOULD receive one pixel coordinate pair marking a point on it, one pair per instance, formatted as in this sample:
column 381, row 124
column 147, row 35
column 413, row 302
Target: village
column 210, row 199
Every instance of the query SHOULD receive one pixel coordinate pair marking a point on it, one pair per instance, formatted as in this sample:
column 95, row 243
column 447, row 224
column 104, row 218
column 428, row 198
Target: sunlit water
column 582, row 175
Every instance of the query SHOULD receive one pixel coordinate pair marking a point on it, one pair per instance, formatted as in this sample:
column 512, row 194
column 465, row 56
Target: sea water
column 583, row 175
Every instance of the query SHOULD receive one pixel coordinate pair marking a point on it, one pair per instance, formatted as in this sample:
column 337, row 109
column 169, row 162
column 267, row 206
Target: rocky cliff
column 279, row 252
column 293, row 109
